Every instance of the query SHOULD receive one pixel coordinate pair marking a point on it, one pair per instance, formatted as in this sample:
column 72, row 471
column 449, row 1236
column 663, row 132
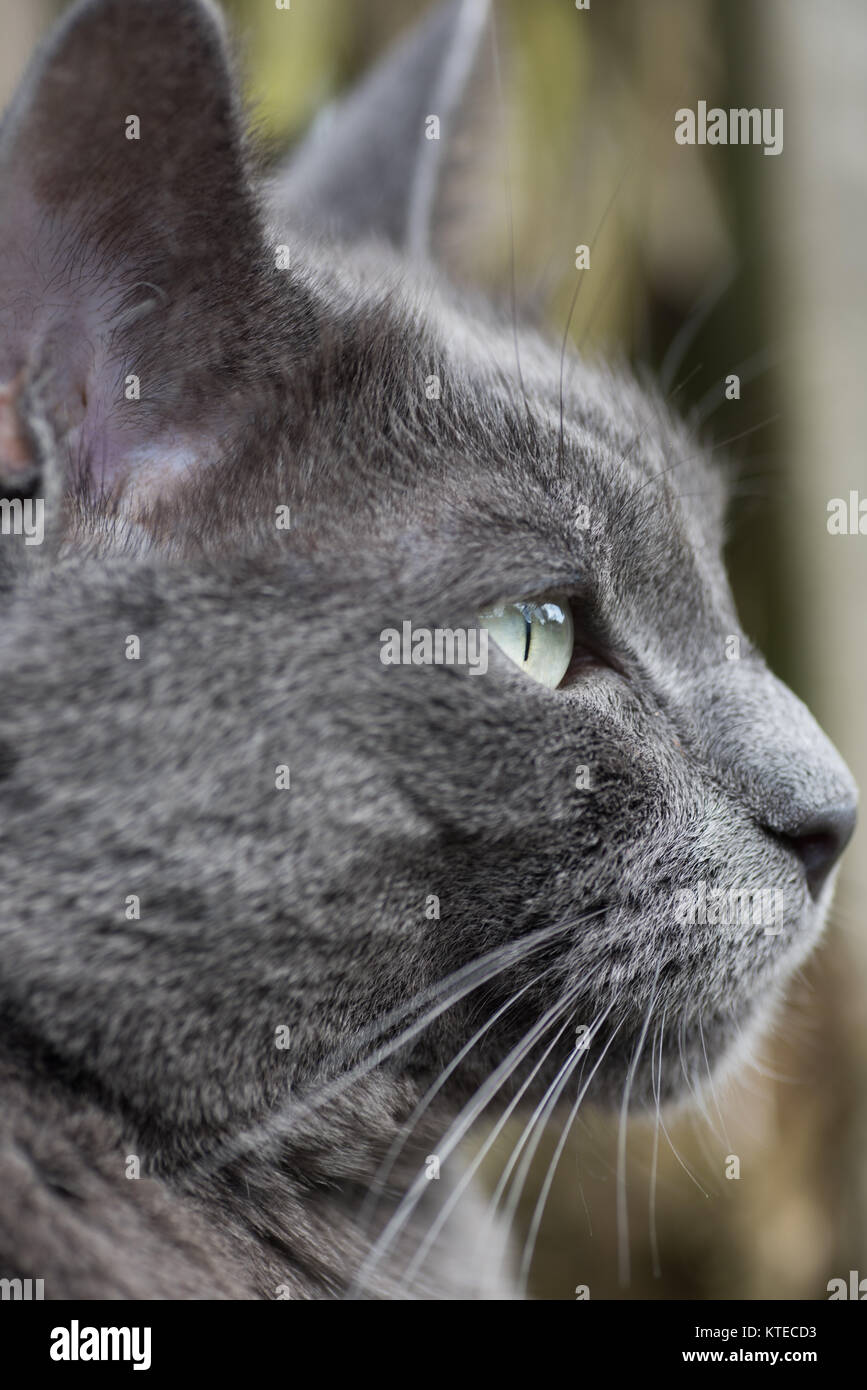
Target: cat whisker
column 656, row 1086
column 622, row 1206
column 685, row 335
column 473, row 1167
column 708, row 1154
column 537, row 1125
column 712, row 1084
column 518, row 1147
column 678, row 463
column 400, row 1140
column 462, row 982
column 541, row 1203
column 747, row 371
column 752, row 1061
column 453, row 1136
column 584, row 1200
column 685, row 1166
column 574, row 304
column 602, row 298
column 692, row 1082
column 510, row 211
column 672, row 395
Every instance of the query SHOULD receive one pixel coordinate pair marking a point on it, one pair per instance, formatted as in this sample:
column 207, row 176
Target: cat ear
column 380, row 162
column 131, row 258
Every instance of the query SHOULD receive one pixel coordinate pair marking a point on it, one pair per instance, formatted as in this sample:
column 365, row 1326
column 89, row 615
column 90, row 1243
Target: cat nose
column 820, row 840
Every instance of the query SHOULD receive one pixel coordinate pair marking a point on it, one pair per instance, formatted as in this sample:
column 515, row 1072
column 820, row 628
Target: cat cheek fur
column 441, row 839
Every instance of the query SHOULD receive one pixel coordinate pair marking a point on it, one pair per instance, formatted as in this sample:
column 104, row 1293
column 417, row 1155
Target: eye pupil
column 528, row 626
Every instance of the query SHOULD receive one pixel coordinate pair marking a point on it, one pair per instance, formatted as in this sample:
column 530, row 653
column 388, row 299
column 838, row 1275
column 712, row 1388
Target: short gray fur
column 305, row 908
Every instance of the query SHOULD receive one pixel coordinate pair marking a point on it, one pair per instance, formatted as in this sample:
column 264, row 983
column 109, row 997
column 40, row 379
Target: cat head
column 262, row 825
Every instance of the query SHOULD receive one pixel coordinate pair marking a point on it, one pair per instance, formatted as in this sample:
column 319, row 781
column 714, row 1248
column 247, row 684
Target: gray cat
column 282, row 916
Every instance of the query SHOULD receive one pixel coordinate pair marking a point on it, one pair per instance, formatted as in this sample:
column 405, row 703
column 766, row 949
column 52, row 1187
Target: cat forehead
column 505, row 403
column 452, row 352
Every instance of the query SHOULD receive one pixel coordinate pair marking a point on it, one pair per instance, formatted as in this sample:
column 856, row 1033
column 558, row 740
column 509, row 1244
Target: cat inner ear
column 133, row 271
column 385, row 160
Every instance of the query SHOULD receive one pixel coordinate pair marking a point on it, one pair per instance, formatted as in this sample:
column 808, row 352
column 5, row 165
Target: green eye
column 537, row 636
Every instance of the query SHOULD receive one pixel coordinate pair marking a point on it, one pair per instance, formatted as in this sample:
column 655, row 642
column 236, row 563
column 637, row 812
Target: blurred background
column 705, row 261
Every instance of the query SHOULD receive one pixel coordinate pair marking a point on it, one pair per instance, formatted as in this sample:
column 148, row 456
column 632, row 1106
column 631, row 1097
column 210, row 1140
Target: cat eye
column 538, row 636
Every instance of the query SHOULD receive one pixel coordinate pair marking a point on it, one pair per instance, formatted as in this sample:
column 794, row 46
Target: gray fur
column 305, row 908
